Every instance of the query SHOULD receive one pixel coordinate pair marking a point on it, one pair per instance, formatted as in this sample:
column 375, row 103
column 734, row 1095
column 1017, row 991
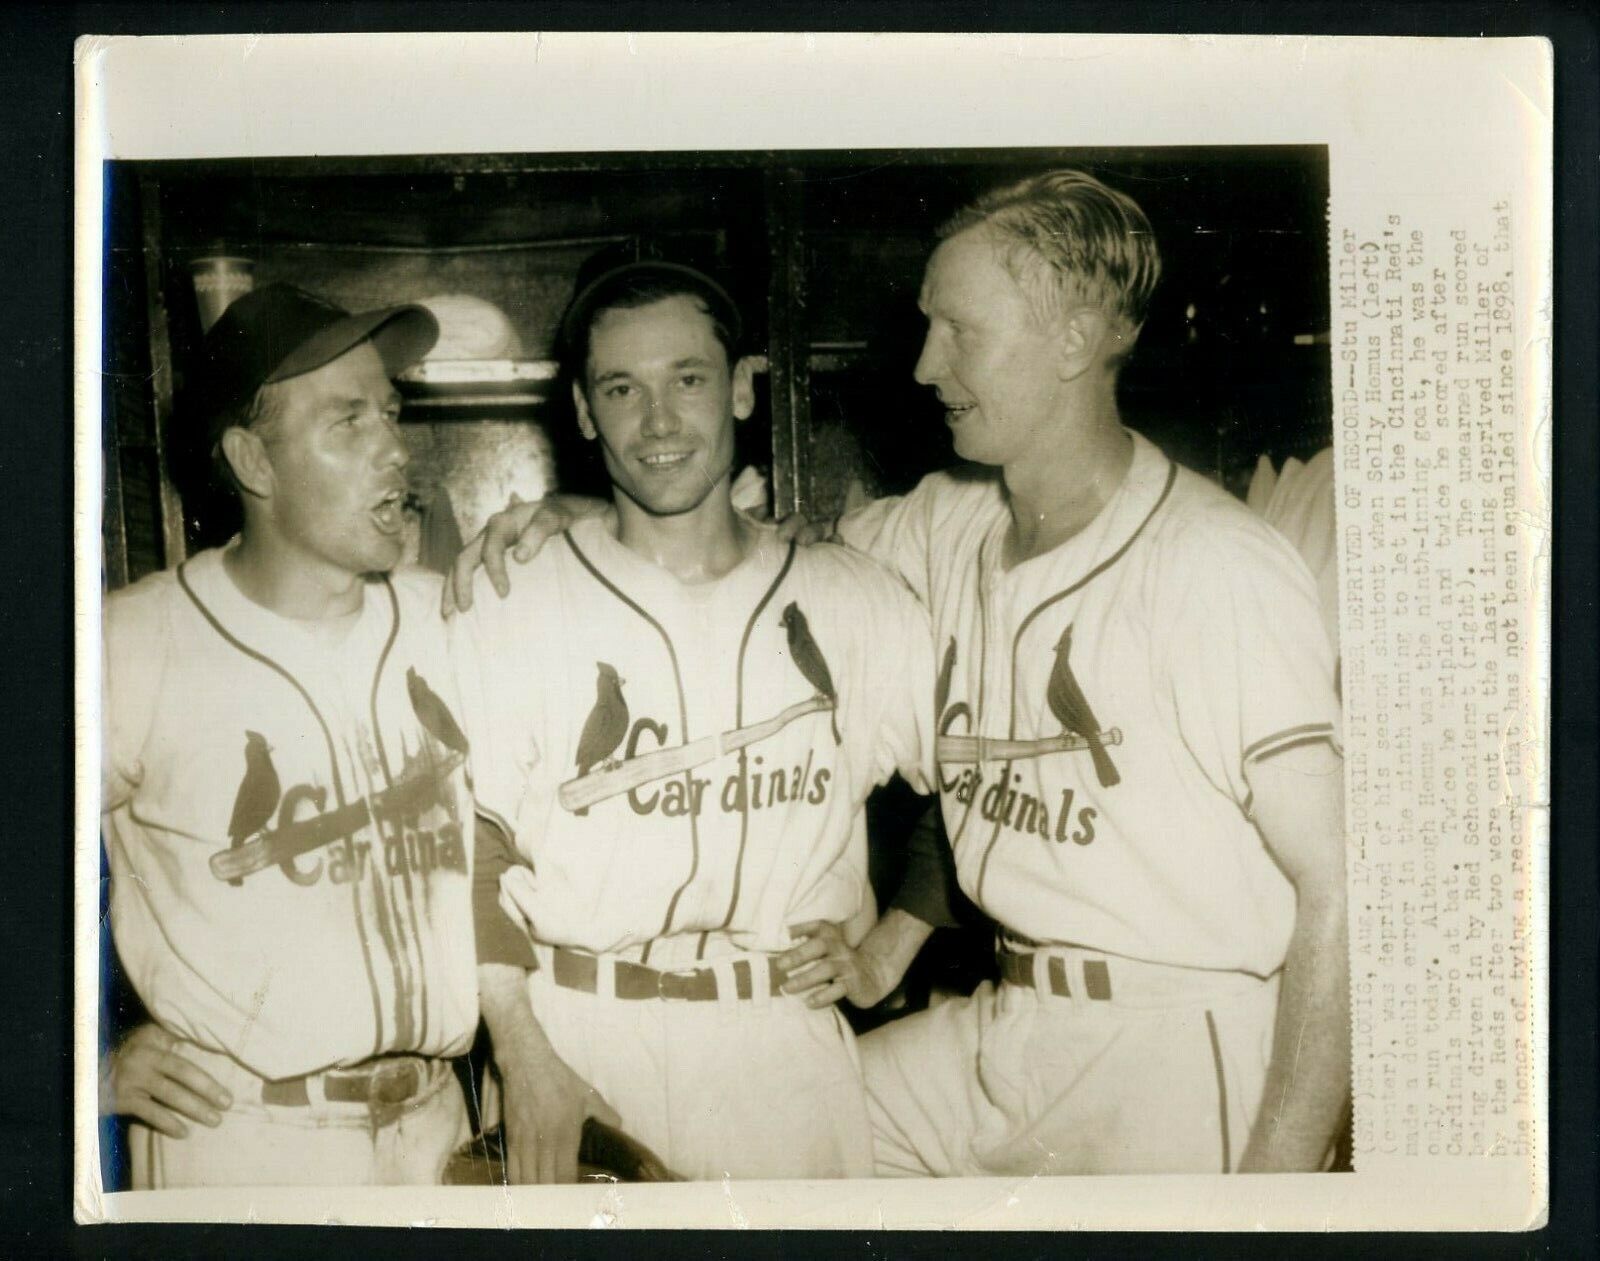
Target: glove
column 605, row 1154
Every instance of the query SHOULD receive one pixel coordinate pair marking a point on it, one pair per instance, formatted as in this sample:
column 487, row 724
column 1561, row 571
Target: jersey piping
column 388, row 780
column 1016, row 643
column 738, row 713
column 683, row 726
column 333, row 765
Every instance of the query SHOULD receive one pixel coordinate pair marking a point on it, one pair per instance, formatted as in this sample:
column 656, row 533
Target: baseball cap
column 603, row 273
column 281, row 331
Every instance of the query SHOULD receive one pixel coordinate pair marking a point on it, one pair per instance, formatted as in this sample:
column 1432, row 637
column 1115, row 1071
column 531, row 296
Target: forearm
column 1308, row 1078
column 520, row 1045
column 891, row 945
column 544, row 1101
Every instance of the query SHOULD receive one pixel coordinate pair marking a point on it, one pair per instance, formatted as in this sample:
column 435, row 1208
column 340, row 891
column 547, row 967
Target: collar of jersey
column 256, row 623
column 636, row 575
column 1122, row 517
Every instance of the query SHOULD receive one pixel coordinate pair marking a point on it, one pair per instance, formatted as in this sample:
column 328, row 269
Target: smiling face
column 993, row 362
column 659, row 395
column 327, row 481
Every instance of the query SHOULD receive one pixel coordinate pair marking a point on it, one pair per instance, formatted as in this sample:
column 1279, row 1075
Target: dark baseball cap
column 280, row 331
column 604, row 273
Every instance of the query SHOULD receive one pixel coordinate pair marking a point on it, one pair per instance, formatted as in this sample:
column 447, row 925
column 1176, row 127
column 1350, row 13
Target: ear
column 585, row 421
column 743, row 387
column 247, row 457
column 1085, row 336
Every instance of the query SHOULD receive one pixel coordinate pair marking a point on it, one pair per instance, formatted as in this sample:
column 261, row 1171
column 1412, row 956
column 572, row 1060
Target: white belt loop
column 1040, row 962
column 545, row 955
column 727, row 983
column 761, row 993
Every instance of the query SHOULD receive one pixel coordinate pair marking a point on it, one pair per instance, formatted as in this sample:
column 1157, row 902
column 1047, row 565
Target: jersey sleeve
column 499, row 938
column 893, row 532
column 900, row 675
column 1301, row 508
column 133, row 654
column 929, row 890
column 493, row 656
column 1247, row 660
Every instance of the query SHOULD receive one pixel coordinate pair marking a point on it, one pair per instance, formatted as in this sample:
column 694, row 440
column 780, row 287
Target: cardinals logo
column 605, row 727
column 258, row 795
column 273, row 824
column 434, row 714
column 1071, row 708
column 812, row 664
column 607, row 723
column 1080, row 728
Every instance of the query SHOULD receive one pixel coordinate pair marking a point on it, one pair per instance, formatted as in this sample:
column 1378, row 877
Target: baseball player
column 285, row 805
column 674, row 731
column 1138, row 755
column 1137, row 745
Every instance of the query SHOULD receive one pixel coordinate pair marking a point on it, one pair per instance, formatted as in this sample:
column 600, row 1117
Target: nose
column 660, row 417
column 930, row 363
column 392, row 450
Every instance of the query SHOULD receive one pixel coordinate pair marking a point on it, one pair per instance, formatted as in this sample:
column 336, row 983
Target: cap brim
column 401, row 334
column 578, row 309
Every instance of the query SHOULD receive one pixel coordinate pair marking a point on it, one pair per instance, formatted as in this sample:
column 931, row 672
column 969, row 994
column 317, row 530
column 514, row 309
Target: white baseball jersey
column 288, row 822
column 1133, row 672
column 811, row 667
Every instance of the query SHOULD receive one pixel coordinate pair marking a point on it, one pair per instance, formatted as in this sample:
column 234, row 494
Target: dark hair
column 257, row 412
column 642, row 288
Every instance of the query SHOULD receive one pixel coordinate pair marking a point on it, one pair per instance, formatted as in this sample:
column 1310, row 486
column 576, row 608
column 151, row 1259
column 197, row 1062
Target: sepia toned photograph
column 848, row 666
column 290, row 909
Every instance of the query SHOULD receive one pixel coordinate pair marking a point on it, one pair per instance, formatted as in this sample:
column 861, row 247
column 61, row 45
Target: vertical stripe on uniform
column 683, row 725
column 417, row 989
column 1016, row 646
column 738, row 721
column 977, row 711
column 1222, row 1092
column 333, row 766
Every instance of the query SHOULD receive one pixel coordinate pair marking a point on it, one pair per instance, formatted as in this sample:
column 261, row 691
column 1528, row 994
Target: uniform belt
column 384, row 1081
column 1019, row 969
column 574, row 970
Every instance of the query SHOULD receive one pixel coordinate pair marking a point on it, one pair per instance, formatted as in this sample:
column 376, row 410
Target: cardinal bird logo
column 1071, row 708
column 258, row 794
column 809, row 658
column 607, row 723
column 434, row 714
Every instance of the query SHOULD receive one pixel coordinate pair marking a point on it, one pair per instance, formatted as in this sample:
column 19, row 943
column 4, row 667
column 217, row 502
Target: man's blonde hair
column 1067, row 238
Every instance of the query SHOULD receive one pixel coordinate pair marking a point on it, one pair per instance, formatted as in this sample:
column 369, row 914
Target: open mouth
column 388, row 513
column 954, row 412
column 663, row 460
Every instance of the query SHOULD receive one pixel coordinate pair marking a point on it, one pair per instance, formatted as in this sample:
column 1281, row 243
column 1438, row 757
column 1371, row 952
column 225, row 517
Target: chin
column 670, row 502
column 663, row 507
column 381, row 559
column 970, row 446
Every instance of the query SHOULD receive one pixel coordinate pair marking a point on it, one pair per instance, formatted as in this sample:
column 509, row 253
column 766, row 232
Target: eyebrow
column 617, row 374
column 354, row 402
